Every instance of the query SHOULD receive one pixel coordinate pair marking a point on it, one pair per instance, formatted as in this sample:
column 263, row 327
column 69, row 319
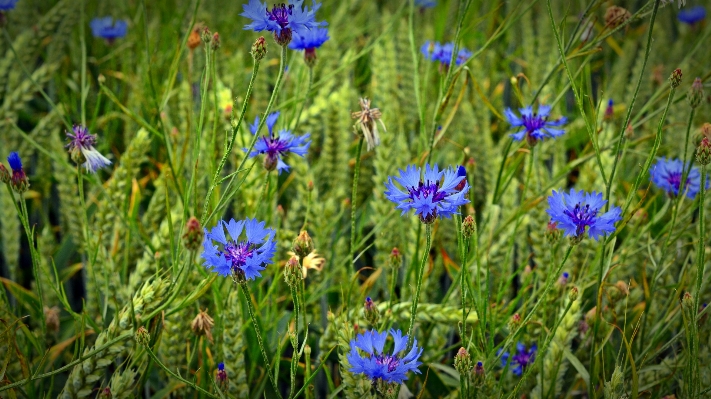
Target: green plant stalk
column 696, row 382
column 294, row 341
column 84, row 90
column 354, row 193
column 419, row 277
column 253, row 316
column 230, row 142
column 306, row 98
column 176, row 376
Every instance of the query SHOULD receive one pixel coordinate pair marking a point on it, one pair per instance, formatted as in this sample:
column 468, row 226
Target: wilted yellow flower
column 366, row 123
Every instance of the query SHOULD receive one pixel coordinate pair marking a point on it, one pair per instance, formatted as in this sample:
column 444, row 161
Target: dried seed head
column 616, row 16
column 51, row 318
column 366, row 123
column 303, row 244
column 675, row 78
column 623, row 287
column 194, row 38
column 202, row 325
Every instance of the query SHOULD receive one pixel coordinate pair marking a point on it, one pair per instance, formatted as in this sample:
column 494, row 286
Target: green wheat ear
column 233, row 347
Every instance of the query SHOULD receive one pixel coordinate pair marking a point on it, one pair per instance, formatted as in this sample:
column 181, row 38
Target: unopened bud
column 303, row 244
column 687, row 300
column 142, row 336
column 51, row 319
column 395, row 259
column 192, row 239
column 4, row 174
column 552, row 234
column 307, row 351
column 206, row 35
column 310, row 57
column 468, row 226
column 292, row 272
column 675, row 78
column 563, row 279
column 696, row 93
column 629, row 131
column 105, row 393
column 703, row 151
column 202, row 325
column 463, row 362
column 573, row 294
column 609, row 110
column 372, row 314
column 514, row 322
column 215, row 42
column 221, row 376
column 259, row 48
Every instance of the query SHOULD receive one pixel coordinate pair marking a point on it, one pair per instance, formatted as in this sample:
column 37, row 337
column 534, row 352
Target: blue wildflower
column 107, row 29
column 309, row 42
column 435, row 195
column 443, row 53
column 7, row 5
column 276, row 147
column 243, row 259
column 376, row 364
column 692, row 15
column 81, row 148
column 522, row 359
column 18, row 180
column 666, row 174
column 425, row 3
column 221, row 377
column 535, row 126
column 578, row 210
column 282, row 20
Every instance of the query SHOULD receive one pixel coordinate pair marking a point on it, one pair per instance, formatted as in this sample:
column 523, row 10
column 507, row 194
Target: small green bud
column 259, row 49
column 687, row 301
column 303, row 244
column 372, row 314
column 703, row 151
column 4, row 174
column 675, row 78
column 192, row 239
column 463, row 362
column 573, row 294
column 292, row 272
column 215, row 41
column 105, row 393
column 142, row 336
column 553, row 233
column 514, row 322
column 206, row 35
column 395, row 259
column 696, row 93
column 468, row 226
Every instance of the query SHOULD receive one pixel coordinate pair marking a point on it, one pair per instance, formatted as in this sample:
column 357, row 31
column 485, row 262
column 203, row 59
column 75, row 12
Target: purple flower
column 18, row 180
column 282, row 20
column 425, row 3
column 522, row 359
column 692, row 15
column 7, row 5
column 232, row 256
column 534, row 127
column 443, row 53
column 107, row 29
column 578, row 212
column 276, row 147
column 81, row 148
column 434, row 195
column 309, row 42
column 376, row 364
column 666, row 174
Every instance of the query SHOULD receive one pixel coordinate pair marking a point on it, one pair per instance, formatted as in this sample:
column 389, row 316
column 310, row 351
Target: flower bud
column 310, row 57
column 221, row 376
column 303, row 244
column 573, row 294
column 696, row 93
column 514, row 322
column 687, row 301
column 623, row 287
column 675, row 78
column 51, row 319
column 192, row 239
column 142, row 336
column 259, row 48
column 616, row 16
column 609, row 110
column 105, row 393
column 372, row 314
column 4, row 174
column 463, row 362
column 202, row 325
column 468, row 226
column 552, row 234
column 310, row 186
column 19, row 181
column 563, row 279
column 215, row 41
column 206, row 35
column 395, row 259
column 703, row 151
column 629, row 131
column 292, row 272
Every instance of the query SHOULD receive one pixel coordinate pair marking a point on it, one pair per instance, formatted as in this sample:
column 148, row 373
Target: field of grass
column 431, row 199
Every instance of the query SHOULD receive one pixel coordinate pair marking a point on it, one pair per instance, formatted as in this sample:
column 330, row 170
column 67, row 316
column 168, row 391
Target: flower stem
column 306, row 98
column 420, row 276
column 250, row 309
column 356, row 174
column 701, row 249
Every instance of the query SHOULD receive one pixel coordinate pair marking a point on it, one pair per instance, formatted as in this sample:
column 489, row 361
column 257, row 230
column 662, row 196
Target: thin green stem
column 306, row 98
column 700, row 252
column 354, row 193
column 176, row 376
column 420, row 276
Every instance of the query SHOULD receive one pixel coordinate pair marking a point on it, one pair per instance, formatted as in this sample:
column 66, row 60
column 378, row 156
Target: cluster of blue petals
column 534, row 126
column 376, row 364
column 292, row 16
column 275, row 147
column 107, row 29
column 692, row 15
column 522, row 359
column 437, row 194
column 227, row 255
column 80, row 140
column 311, row 39
column 7, row 5
column 443, row 53
column 425, row 3
column 15, row 162
column 666, row 174
column 578, row 212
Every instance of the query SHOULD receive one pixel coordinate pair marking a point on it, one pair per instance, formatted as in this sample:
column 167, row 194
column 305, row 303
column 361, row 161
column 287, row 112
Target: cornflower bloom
column 443, row 53
column 425, row 3
column 107, row 28
column 283, row 20
column 579, row 212
column 666, row 174
column 81, row 148
column 366, row 123
column 7, row 5
column 378, row 365
column 221, row 375
column 243, row 259
column 522, row 359
column 691, row 16
column 309, row 42
column 534, row 126
column 434, row 195
column 278, row 146
column 18, row 180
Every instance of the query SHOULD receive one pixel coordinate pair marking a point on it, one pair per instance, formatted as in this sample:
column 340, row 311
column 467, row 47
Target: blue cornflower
column 243, row 259
column 282, row 20
column 107, row 29
column 435, row 195
column 425, row 3
column 376, row 364
column 309, row 42
column 578, row 210
column 535, row 126
column 666, row 174
column 18, row 180
column 81, row 148
column 276, row 147
column 692, row 15
column 522, row 359
column 7, row 5
column 443, row 53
